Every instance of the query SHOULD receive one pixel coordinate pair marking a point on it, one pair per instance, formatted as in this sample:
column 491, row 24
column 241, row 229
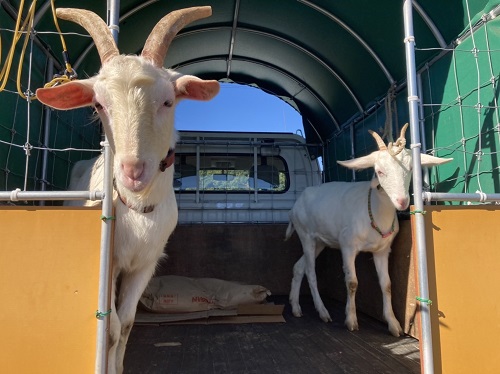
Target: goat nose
column 133, row 170
column 403, row 202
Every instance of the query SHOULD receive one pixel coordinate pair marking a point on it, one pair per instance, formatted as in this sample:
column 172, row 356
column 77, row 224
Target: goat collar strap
column 372, row 221
column 146, row 209
column 168, row 160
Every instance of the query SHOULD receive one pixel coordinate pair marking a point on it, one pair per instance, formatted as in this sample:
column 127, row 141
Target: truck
column 241, row 177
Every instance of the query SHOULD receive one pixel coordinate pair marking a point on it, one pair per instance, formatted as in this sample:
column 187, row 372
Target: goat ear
column 75, row 94
column 190, row 87
column 360, row 162
column 428, row 160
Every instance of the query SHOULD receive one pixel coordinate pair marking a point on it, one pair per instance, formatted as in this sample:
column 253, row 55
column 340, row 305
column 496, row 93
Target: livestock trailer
column 347, row 68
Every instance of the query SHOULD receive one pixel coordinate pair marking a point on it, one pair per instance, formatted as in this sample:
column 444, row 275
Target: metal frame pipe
column 105, row 274
column 421, row 123
column 46, row 130
column 250, row 143
column 255, row 193
column 411, row 71
column 18, row 195
column 104, row 297
column 472, row 197
column 353, row 150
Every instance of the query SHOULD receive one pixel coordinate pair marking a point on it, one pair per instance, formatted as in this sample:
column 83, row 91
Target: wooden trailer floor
column 301, row 345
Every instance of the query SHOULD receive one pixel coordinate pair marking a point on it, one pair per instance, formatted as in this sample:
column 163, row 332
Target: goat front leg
column 131, row 288
column 351, row 282
column 114, row 330
column 381, row 260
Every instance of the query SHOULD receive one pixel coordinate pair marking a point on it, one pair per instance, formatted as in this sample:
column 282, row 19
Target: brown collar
column 168, row 160
column 372, row 221
column 164, row 165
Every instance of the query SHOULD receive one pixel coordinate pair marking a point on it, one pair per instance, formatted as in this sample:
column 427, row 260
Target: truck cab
column 233, row 177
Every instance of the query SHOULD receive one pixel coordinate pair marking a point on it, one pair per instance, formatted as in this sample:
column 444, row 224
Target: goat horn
column 400, row 142
column 156, row 46
column 403, row 131
column 96, row 27
column 380, row 142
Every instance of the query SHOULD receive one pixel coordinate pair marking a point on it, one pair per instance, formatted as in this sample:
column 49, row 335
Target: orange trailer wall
column 49, row 275
column 463, row 257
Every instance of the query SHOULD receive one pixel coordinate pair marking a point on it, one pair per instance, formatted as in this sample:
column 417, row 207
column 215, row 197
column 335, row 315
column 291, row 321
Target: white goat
column 135, row 98
column 354, row 217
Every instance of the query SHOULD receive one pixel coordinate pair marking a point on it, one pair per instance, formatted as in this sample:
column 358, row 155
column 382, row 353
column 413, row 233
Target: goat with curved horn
column 97, row 29
column 156, row 46
column 135, row 98
column 323, row 216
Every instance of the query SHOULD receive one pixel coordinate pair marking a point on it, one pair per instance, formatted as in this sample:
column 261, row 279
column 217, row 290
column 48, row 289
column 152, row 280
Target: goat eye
column 98, row 106
column 168, row 103
column 380, row 173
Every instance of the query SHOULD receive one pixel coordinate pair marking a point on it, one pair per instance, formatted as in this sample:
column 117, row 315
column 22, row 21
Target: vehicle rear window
column 230, row 173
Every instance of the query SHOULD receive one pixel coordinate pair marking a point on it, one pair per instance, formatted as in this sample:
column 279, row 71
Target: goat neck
column 383, row 212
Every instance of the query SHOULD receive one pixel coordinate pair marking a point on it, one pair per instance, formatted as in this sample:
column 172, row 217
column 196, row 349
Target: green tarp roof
column 331, row 59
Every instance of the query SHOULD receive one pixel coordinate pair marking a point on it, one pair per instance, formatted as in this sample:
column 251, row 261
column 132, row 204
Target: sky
column 239, row 108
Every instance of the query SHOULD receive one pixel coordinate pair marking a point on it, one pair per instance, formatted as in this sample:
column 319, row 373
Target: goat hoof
column 352, row 325
column 297, row 312
column 326, row 318
column 396, row 330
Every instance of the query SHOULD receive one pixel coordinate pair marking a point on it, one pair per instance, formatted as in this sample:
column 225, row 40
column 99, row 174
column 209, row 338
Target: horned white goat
column 135, row 98
column 354, row 217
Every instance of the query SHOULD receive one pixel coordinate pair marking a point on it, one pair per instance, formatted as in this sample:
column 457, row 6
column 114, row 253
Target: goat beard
column 147, row 196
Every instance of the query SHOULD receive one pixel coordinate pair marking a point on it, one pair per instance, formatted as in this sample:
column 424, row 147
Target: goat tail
column 289, row 230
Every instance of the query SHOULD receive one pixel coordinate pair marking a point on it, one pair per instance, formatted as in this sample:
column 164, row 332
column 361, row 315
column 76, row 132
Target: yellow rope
column 69, row 69
column 27, row 28
column 4, row 73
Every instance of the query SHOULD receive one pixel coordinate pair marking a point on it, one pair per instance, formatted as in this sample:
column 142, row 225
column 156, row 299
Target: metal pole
column 353, row 154
column 198, row 167
column 18, row 195
column 421, row 122
column 255, row 176
column 476, row 197
column 46, row 133
column 426, row 344
column 103, row 317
